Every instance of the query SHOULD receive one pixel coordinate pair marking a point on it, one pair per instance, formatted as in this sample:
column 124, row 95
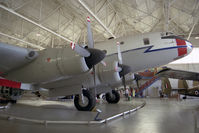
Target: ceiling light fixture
column 197, row 37
column 38, row 34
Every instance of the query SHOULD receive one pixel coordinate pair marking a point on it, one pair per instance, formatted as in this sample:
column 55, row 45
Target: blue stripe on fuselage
column 148, row 49
column 153, row 50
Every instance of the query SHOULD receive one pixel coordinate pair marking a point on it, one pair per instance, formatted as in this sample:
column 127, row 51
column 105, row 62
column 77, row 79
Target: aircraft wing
column 12, row 57
column 178, row 74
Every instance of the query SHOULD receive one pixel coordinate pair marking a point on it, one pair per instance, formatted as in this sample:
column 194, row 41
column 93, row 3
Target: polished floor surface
column 158, row 116
column 43, row 110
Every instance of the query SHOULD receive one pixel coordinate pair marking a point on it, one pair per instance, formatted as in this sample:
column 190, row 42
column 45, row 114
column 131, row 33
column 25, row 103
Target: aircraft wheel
column 7, row 101
column 88, row 102
column 196, row 93
column 184, row 97
column 4, row 101
column 13, row 101
column 113, row 98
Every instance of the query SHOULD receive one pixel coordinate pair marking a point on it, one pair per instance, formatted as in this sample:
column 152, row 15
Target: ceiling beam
column 33, row 22
column 22, row 5
column 28, row 43
column 166, row 8
column 96, row 18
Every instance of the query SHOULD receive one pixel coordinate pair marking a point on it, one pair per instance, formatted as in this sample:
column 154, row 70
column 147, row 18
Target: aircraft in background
column 190, row 91
column 182, row 76
column 79, row 71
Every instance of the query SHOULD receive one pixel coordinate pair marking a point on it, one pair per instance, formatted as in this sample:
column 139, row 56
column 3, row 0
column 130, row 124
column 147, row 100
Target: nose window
column 173, row 37
column 146, row 41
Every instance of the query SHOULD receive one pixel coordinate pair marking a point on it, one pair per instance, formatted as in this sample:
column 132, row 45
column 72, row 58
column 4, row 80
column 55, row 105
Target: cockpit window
column 166, row 33
column 146, row 41
column 173, row 37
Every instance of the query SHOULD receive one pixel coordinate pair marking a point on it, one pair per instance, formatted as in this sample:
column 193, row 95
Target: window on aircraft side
column 146, row 41
column 121, row 42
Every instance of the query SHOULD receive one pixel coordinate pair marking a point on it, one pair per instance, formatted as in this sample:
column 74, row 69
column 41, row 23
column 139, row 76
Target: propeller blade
column 137, row 83
column 80, row 50
column 124, row 82
column 119, row 53
column 125, row 70
column 94, row 81
column 103, row 63
column 89, row 34
column 137, row 78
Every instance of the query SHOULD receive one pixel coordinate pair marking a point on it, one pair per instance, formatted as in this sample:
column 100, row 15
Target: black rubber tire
column 4, row 101
column 91, row 102
column 113, row 99
column 13, row 101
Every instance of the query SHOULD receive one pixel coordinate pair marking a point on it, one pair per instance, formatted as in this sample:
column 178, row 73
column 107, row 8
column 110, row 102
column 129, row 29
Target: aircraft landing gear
column 113, row 97
column 85, row 101
column 7, row 101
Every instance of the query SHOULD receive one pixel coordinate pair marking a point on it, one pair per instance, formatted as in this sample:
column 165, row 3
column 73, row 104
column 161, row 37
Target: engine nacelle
column 109, row 74
column 50, row 64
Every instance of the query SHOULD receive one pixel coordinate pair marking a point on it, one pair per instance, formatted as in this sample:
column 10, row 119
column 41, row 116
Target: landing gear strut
column 113, row 97
column 85, row 102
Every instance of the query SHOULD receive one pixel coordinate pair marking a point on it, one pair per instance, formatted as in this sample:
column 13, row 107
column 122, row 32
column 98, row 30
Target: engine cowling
column 52, row 64
column 109, row 74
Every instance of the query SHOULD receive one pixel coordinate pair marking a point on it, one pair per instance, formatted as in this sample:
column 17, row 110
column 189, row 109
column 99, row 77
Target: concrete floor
column 158, row 116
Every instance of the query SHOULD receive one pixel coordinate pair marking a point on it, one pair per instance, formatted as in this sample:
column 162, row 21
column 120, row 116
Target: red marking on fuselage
column 181, row 51
column 48, row 59
column 92, row 73
column 8, row 83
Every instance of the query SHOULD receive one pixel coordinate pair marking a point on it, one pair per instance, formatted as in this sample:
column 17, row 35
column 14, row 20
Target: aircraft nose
column 184, row 47
column 189, row 47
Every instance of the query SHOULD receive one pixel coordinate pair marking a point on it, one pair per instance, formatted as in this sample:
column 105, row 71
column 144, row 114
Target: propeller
column 124, row 68
column 92, row 55
column 91, row 45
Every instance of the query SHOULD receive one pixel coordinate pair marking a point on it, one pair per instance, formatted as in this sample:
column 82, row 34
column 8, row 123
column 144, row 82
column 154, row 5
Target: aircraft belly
column 65, row 91
column 73, row 81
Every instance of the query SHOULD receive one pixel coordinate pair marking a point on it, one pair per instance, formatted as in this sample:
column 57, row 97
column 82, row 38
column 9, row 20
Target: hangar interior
column 41, row 24
column 65, row 20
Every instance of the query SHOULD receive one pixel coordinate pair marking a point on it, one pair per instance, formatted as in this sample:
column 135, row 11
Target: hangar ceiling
column 54, row 23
